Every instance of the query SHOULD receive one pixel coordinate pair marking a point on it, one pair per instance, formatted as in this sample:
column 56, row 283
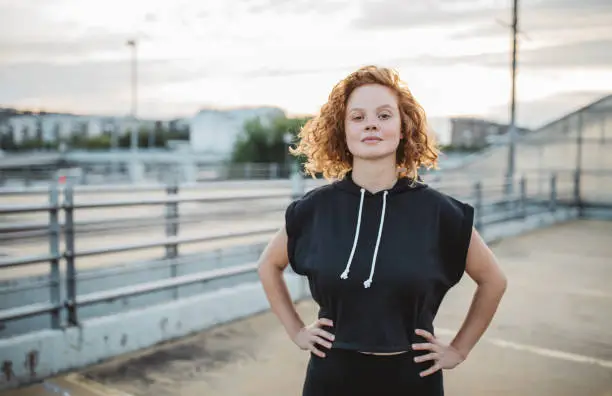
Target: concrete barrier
column 494, row 232
column 38, row 355
column 36, row 289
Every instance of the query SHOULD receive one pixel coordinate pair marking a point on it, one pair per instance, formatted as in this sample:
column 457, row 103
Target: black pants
column 351, row 373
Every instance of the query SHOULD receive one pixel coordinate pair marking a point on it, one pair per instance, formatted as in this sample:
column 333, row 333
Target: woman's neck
column 374, row 176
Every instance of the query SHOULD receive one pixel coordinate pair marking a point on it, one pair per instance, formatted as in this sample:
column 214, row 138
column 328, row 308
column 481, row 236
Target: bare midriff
column 383, row 353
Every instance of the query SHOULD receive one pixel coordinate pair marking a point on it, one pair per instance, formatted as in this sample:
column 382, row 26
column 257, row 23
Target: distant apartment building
column 215, row 132
column 476, row 133
column 51, row 127
column 211, row 131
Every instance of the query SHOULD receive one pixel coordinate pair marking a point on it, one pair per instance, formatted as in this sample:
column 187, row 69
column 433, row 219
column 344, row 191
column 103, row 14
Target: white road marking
column 550, row 353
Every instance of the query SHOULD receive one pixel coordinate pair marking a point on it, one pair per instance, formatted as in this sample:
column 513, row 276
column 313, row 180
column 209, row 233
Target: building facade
column 475, row 133
column 216, row 131
column 51, row 127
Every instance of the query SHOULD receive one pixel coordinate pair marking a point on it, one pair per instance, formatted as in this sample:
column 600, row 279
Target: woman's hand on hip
column 309, row 336
column 444, row 356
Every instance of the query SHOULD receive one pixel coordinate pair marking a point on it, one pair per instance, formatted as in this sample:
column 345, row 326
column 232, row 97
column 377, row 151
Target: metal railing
column 56, row 230
column 531, row 194
column 95, row 172
column 166, row 194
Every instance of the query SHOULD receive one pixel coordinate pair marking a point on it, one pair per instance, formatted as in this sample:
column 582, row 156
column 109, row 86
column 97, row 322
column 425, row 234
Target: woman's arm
column 483, row 268
column 272, row 264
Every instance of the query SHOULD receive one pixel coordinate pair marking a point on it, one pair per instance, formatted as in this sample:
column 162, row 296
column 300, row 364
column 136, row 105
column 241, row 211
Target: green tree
column 7, row 139
column 265, row 143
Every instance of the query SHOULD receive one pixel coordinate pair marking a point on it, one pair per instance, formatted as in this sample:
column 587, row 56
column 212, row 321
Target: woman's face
column 373, row 123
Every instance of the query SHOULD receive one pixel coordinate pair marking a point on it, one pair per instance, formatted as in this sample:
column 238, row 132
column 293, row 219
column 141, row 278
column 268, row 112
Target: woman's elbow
column 267, row 269
column 263, row 269
column 496, row 280
column 489, row 276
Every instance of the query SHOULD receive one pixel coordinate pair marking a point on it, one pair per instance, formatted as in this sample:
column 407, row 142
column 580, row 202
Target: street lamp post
column 136, row 166
column 134, row 131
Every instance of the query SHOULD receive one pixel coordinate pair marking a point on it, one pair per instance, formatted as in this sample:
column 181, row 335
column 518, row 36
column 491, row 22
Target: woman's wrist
column 294, row 329
column 461, row 350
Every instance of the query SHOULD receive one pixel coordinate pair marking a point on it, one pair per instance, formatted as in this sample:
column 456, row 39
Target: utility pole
column 512, row 127
column 134, row 130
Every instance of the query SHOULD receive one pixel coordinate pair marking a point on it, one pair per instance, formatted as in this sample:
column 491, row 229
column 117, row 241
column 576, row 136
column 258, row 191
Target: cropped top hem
column 351, row 346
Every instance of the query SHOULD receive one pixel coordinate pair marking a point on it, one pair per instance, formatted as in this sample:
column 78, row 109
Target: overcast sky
column 71, row 55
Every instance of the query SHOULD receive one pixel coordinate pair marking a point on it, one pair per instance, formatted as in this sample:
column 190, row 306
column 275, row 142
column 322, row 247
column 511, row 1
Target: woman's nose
column 371, row 127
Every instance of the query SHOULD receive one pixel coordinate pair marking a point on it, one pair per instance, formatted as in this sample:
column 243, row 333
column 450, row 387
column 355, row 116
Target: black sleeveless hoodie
column 378, row 264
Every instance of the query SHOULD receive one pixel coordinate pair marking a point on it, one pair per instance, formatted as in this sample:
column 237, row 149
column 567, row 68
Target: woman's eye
column 385, row 116
column 356, row 118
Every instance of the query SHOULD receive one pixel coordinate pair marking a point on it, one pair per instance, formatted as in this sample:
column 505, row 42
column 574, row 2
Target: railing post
column 553, row 192
column 69, row 254
column 603, row 128
column 578, row 172
column 54, row 249
column 577, row 199
column 172, row 219
column 478, row 224
column 172, row 226
column 274, row 170
column 523, row 198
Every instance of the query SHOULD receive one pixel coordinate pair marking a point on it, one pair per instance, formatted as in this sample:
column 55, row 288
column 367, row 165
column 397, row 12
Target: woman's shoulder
column 450, row 208
column 309, row 200
column 301, row 208
column 442, row 197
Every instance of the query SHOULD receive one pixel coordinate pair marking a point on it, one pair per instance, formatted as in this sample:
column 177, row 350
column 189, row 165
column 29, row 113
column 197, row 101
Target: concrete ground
column 551, row 335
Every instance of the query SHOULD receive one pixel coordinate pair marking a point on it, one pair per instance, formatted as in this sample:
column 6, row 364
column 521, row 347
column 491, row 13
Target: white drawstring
column 345, row 273
column 368, row 282
column 348, row 264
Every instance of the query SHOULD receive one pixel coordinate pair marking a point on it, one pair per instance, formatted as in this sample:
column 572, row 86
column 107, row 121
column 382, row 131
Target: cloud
column 35, row 31
column 394, row 14
column 536, row 23
column 73, row 52
column 30, row 80
column 595, row 53
column 583, row 55
column 297, row 6
column 278, row 72
column 94, row 41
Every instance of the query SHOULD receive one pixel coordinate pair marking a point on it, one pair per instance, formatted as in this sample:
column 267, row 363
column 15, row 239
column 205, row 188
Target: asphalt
column 551, row 335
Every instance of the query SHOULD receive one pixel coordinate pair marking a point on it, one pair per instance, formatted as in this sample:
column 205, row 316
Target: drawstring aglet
column 344, row 274
column 367, row 283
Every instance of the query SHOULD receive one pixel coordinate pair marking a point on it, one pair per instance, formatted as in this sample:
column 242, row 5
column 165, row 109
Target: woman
column 379, row 247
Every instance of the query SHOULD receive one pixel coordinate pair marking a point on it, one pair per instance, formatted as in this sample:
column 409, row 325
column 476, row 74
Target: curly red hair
column 322, row 139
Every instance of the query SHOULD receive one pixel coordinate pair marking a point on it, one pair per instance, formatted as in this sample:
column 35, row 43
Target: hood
column 403, row 184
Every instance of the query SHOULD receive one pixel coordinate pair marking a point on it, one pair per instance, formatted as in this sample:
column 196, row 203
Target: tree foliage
column 265, row 143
